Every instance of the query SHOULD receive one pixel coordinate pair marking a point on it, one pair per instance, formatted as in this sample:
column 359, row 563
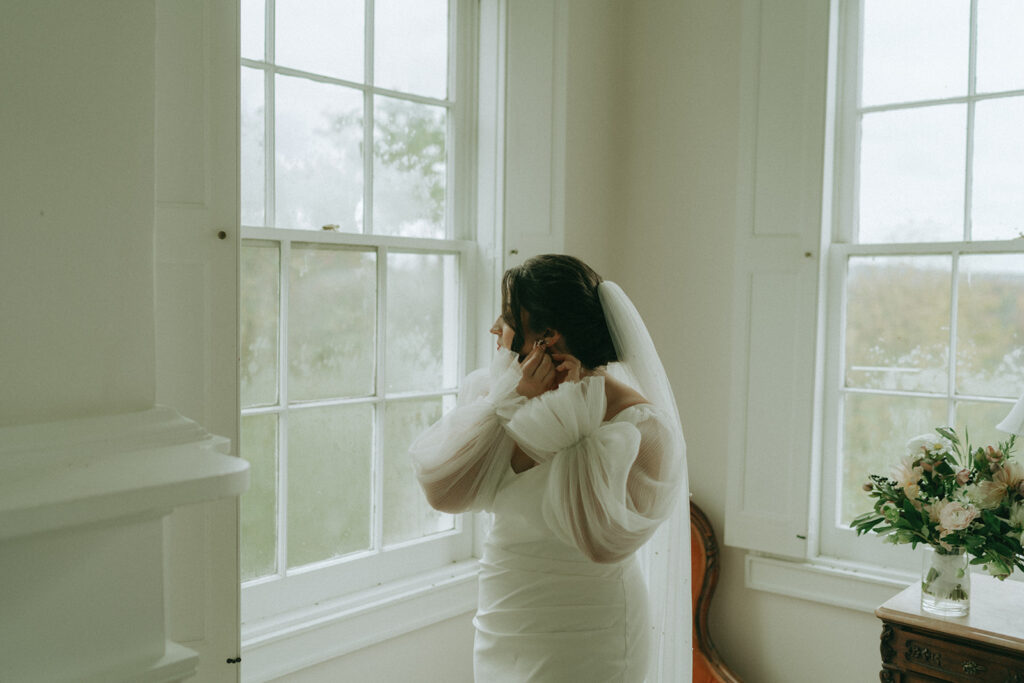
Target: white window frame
column 517, row 205
column 836, row 541
column 790, row 551
column 276, row 608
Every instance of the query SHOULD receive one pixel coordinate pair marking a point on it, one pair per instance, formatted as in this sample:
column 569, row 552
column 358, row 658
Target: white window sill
column 853, row 586
column 286, row 643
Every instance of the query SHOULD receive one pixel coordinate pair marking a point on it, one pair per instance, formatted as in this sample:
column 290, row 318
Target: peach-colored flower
column 963, row 476
column 907, row 474
column 1006, row 479
column 1011, row 474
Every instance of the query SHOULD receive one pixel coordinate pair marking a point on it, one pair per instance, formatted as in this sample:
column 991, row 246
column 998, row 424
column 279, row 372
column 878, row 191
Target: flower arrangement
column 953, row 498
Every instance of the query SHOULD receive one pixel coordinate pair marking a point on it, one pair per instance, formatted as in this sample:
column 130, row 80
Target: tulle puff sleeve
column 612, row 483
column 461, row 459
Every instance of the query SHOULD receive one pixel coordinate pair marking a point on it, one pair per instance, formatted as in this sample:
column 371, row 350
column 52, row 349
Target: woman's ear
column 551, row 337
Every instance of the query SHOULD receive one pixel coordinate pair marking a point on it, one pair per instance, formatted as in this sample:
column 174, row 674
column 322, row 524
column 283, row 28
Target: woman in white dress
column 578, row 469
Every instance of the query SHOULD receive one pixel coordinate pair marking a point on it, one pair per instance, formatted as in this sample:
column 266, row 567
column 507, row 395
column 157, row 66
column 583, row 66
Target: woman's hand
column 538, row 373
column 569, row 368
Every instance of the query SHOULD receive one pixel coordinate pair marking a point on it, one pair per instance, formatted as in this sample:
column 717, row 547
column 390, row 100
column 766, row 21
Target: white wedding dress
column 562, row 598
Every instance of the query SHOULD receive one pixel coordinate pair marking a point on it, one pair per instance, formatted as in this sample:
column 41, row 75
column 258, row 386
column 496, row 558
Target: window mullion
column 972, row 64
column 377, row 467
column 270, row 119
column 852, row 123
column 451, row 115
column 368, row 103
column 954, row 287
column 282, row 422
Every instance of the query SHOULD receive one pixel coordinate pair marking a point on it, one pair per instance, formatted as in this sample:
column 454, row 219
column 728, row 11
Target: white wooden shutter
column 779, row 218
column 197, row 302
column 535, row 88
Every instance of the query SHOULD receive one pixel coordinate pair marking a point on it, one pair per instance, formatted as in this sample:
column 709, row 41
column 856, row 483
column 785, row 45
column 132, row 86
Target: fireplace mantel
column 82, row 560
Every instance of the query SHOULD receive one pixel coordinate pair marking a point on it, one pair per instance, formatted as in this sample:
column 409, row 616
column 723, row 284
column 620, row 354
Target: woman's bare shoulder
column 619, row 397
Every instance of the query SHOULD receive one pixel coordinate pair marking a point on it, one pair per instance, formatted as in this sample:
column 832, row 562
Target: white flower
column 986, row 494
column 954, row 516
column 1017, row 515
column 929, row 444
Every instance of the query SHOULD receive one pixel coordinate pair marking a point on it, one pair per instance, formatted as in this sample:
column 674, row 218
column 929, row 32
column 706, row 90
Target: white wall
column 675, row 256
column 76, row 210
column 595, row 139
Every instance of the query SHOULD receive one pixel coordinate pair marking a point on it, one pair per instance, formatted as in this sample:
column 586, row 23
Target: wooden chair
column 708, row 666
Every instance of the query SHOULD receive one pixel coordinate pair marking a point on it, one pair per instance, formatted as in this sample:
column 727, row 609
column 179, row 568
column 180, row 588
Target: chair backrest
column 708, row 666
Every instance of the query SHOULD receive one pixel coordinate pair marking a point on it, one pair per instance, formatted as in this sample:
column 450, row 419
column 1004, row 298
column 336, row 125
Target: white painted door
column 196, row 252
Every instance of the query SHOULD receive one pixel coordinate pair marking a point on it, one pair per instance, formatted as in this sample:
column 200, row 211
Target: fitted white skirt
column 547, row 620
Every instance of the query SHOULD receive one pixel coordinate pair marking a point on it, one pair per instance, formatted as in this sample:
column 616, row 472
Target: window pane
column 319, row 163
column 258, row 512
column 253, row 147
column 410, row 166
column 329, row 454
column 320, row 36
column 253, row 25
column 332, row 319
column 411, row 46
column 897, row 323
column 423, row 323
column 407, row 515
column 875, row 434
column 914, row 50
column 980, row 420
column 998, row 207
column 990, row 339
column 1000, row 49
column 258, row 324
column 912, row 175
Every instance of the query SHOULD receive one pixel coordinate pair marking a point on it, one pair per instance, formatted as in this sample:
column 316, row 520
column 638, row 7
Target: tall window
column 355, row 287
column 926, row 269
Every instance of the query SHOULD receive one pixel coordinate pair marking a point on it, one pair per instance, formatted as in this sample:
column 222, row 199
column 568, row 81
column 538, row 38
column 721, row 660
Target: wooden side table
column 986, row 646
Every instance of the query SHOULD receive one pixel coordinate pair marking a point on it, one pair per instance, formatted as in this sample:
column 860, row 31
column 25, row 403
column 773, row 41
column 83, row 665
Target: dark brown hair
column 559, row 292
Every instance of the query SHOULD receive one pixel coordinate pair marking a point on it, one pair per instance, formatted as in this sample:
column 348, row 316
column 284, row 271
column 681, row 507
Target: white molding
column 178, row 664
column 77, row 472
column 852, row 586
column 83, row 547
column 296, row 640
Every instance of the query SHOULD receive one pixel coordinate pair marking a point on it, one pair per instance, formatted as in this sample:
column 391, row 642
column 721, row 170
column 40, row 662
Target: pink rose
column 993, row 454
column 955, row 516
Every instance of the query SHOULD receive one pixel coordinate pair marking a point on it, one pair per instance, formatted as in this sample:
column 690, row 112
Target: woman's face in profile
column 506, row 335
column 504, row 332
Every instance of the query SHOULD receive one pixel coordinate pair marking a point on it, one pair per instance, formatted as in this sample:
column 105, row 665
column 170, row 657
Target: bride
column 578, row 467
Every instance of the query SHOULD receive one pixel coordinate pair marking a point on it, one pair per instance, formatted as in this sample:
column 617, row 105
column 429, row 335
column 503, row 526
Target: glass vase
column 945, row 582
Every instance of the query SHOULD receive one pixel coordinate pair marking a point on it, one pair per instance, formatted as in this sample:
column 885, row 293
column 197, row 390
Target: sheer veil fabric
column 666, row 557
